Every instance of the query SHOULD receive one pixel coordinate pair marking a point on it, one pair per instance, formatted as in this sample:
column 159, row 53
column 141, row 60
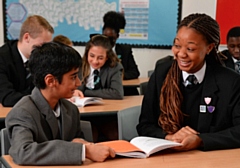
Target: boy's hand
column 99, row 153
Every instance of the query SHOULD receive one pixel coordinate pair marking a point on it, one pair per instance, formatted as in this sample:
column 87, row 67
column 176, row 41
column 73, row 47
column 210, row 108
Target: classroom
column 215, row 145
column 188, row 6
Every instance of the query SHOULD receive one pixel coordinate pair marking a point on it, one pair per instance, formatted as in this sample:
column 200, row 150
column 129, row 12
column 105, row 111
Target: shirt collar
column 23, row 57
column 91, row 69
column 114, row 47
column 199, row 74
column 234, row 59
column 57, row 111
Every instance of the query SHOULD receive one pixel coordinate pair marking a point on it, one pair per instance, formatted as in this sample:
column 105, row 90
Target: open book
column 81, row 102
column 140, row 147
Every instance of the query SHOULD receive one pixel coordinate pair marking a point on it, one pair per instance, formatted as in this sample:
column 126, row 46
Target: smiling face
column 190, row 49
column 233, row 45
column 97, row 56
column 70, row 82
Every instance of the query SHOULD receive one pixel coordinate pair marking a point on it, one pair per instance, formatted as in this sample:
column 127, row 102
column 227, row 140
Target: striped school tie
column 237, row 66
column 96, row 79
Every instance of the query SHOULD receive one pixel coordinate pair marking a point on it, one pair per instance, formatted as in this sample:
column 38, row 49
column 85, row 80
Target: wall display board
column 149, row 23
column 227, row 16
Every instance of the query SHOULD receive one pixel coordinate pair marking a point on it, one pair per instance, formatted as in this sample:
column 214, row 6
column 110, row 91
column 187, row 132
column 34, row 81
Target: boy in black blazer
column 16, row 81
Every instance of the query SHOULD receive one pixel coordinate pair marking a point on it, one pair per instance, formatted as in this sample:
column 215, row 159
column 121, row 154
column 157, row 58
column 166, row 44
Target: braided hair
column 171, row 117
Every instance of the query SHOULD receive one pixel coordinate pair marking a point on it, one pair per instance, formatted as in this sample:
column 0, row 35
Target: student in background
column 44, row 127
column 16, row 81
column 102, row 77
column 113, row 23
column 101, row 71
column 63, row 39
column 233, row 51
column 193, row 99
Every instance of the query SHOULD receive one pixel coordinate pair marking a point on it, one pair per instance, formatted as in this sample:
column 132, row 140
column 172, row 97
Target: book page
column 151, row 145
column 80, row 102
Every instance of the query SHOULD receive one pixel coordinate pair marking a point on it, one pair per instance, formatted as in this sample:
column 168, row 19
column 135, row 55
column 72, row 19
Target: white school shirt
column 199, row 75
column 90, row 79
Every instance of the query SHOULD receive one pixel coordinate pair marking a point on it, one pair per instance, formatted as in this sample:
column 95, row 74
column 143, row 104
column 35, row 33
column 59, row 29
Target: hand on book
column 78, row 93
column 99, row 153
column 188, row 137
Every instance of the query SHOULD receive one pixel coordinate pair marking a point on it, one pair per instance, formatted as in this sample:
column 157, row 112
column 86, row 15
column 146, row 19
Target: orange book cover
column 121, row 146
column 140, row 147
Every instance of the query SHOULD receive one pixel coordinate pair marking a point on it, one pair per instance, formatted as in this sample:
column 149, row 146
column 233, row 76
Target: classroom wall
column 144, row 57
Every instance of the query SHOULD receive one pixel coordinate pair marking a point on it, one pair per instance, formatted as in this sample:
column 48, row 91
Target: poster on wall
column 227, row 16
column 149, row 23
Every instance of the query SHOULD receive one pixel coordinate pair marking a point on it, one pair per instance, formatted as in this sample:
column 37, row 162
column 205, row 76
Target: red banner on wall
column 228, row 16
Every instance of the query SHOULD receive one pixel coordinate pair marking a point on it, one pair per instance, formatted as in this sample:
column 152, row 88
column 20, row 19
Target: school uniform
column 217, row 121
column 124, row 53
column 111, row 83
column 13, row 83
column 34, row 132
column 229, row 61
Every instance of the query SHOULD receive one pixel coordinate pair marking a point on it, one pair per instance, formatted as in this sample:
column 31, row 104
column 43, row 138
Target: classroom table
column 190, row 159
column 108, row 106
column 134, row 82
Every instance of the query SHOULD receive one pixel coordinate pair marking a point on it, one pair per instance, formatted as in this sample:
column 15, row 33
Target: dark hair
column 52, row 58
column 103, row 41
column 171, row 98
column 114, row 20
column 233, row 32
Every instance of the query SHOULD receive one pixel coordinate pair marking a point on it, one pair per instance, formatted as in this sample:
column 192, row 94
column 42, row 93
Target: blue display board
column 149, row 23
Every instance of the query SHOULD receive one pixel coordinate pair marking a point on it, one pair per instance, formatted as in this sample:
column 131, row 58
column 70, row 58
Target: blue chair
column 127, row 122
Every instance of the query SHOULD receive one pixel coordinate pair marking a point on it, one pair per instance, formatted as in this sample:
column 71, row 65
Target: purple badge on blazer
column 210, row 109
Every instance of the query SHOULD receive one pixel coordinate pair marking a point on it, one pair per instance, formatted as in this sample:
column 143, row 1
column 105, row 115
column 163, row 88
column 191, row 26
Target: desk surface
column 135, row 82
column 107, row 107
column 190, row 159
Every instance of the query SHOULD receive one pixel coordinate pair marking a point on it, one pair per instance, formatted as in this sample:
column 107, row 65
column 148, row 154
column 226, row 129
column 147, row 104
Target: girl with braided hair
column 203, row 113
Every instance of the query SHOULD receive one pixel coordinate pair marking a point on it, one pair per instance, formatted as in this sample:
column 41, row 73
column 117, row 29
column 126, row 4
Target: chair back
column 127, row 122
column 87, row 130
column 150, row 73
column 5, row 142
column 143, row 88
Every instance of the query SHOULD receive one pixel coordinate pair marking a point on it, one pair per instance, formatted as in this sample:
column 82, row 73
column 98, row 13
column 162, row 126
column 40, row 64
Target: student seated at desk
column 101, row 71
column 44, row 127
column 193, row 99
column 233, row 49
column 113, row 23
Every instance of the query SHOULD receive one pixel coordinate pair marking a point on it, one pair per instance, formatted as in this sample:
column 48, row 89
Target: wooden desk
column 190, row 159
column 4, row 111
column 135, row 82
column 109, row 106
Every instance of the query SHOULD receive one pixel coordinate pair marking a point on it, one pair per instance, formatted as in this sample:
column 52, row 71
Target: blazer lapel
column 103, row 75
column 66, row 127
column 42, row 104
column 118, row 51
column 208, row 101
column 18, row 62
